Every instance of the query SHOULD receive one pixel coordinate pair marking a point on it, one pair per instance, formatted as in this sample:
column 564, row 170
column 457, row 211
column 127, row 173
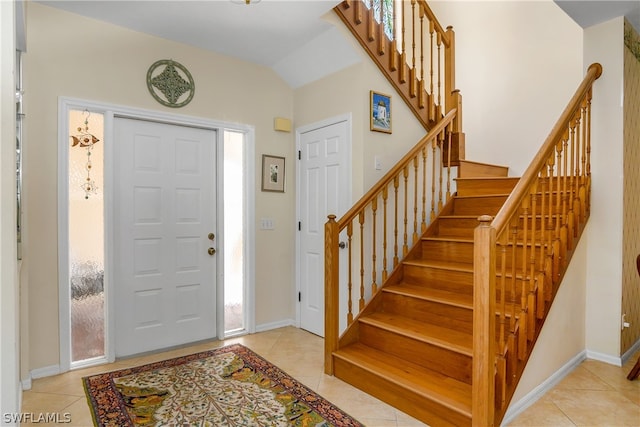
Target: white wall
column 517, row 65
column 9, row 300
column 72, row 56
column 604, row 43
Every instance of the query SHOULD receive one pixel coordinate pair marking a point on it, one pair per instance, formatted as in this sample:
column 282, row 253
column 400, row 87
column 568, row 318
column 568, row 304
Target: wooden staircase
column 413, row 344
column 444, row 290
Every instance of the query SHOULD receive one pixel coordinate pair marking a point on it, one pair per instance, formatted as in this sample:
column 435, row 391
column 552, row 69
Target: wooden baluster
column 382, row 36
column 524, row 324
column 588, row 169
column 423, row 227
column 433, row 179
column 543, row 279
column 415, row 200
column 501, row 366
column 374, row 210
column 396, row 182
column 440, row 163
column 405, row 246
column 583, row 161
column 402, row 74
column 558, row 255
column 432, row 104
column 385, row 194
column 548, row 266
column 331, row 293
column 531, row 302
column 564, row 231
column 349, row 274
column 575, row 188
column 371, row 24
column 448, row 133
column 412, row 70
column 357, row 12
column 571, row 217
column 421, row 100
column 361, row 221
column 513, row 300
column 393, row 57
column 439, row 109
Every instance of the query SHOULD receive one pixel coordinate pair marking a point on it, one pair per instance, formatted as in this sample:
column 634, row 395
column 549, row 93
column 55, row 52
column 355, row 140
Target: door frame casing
column 348, row 187
column 110, row 112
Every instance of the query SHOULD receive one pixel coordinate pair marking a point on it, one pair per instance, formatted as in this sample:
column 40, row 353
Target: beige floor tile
column 35, row 402
column 354, row 401
column 597, row 408
column 373, row 422
column 542, row 413
column 582, row 378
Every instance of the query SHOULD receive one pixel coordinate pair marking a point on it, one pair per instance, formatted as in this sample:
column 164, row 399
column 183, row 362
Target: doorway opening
column 86, row 235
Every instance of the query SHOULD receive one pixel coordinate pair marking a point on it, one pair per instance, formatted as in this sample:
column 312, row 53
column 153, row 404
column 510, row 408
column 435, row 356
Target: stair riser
column 478, row 206
column 464, row 227
column 435, row 250
column 445, row 361
column 437, row 278
column 470, row 187
column 473, row 170
column 436, row 313
column 403, row 398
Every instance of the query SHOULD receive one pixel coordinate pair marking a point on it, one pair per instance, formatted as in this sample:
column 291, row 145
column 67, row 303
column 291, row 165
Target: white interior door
column 324, row 189
column 165, row 287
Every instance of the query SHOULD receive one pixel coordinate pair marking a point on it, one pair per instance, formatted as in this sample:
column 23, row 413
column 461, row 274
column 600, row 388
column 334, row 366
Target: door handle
column 211, row 236
column 342, row 245
column 211, row 251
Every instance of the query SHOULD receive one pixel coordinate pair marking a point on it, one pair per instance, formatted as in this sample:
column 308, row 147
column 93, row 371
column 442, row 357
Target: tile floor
column 594, row 394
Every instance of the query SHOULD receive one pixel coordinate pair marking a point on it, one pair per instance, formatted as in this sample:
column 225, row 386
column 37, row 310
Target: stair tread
column 435, row 386
column 431, row 294
column 441, row 238
column 437, row 335
column 487, row 178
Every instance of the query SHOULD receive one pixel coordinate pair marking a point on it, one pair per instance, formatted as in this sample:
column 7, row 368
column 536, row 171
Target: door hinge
column 299, row 155
column 299, row 226
column 299, row 296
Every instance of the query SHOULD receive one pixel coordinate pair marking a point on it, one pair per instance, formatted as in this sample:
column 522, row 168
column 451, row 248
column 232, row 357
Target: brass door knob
column 211, row 251
column 211, row 236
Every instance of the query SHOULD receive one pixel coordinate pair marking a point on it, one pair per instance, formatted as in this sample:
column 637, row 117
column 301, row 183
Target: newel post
column 484, row 319
column 330, row 292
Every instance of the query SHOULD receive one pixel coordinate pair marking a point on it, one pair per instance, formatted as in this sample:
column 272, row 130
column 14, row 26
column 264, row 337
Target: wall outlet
column 377, row 163
column 625, row 324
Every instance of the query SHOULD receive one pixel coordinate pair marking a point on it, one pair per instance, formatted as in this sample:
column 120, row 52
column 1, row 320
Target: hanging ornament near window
column 84, row 139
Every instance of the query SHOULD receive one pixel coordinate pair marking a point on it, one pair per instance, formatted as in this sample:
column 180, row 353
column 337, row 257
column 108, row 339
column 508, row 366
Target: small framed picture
column 272, row 173
column 380, row 112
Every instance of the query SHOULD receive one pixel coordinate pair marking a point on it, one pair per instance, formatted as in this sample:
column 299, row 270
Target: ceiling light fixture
column 247, row 2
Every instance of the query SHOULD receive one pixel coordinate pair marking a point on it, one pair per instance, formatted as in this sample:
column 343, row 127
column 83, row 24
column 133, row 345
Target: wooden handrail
column 520, row 191
column 364, row 200
column 446, row 40
column 536, row 231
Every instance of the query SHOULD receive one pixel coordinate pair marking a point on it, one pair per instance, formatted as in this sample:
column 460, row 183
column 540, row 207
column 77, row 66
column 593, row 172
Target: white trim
column 627, row 354
column 46, row 371
column 606, row 358
column 26, row 384
column 275, row 325
column 111, row 111
column 532, row 397
column 348, row 186
column 250, row 227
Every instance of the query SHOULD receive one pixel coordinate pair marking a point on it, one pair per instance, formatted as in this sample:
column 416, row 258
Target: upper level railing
column 412, row 49
column 522, row 253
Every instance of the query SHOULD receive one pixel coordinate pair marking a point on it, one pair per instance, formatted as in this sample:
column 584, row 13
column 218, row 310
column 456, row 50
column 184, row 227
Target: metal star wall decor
column 172, row 86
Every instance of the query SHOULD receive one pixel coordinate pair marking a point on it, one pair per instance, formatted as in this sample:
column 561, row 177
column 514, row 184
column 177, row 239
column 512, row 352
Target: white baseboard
column 46, row 371
column 606, row 358
column 532, row 397
column 26, row 383
column 275, row 325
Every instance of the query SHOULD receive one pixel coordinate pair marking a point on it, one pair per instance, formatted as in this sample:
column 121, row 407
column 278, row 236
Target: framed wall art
column 272, row 173
column 380, row 112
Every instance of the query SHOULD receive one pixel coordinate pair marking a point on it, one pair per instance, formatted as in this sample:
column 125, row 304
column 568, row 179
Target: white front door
column 325, row 153
column 165, row 223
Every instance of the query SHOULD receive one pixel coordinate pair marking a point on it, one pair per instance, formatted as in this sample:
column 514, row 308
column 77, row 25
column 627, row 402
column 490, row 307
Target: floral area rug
column 228, row 386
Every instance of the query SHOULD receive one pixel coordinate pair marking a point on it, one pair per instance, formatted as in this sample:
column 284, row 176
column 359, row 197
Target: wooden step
column 438, row 248
column 478, row 205
column 471, row 169
column 435, row 306
column 485, row 185
column 449, row 276
column 427, row 395
column 440, row 349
